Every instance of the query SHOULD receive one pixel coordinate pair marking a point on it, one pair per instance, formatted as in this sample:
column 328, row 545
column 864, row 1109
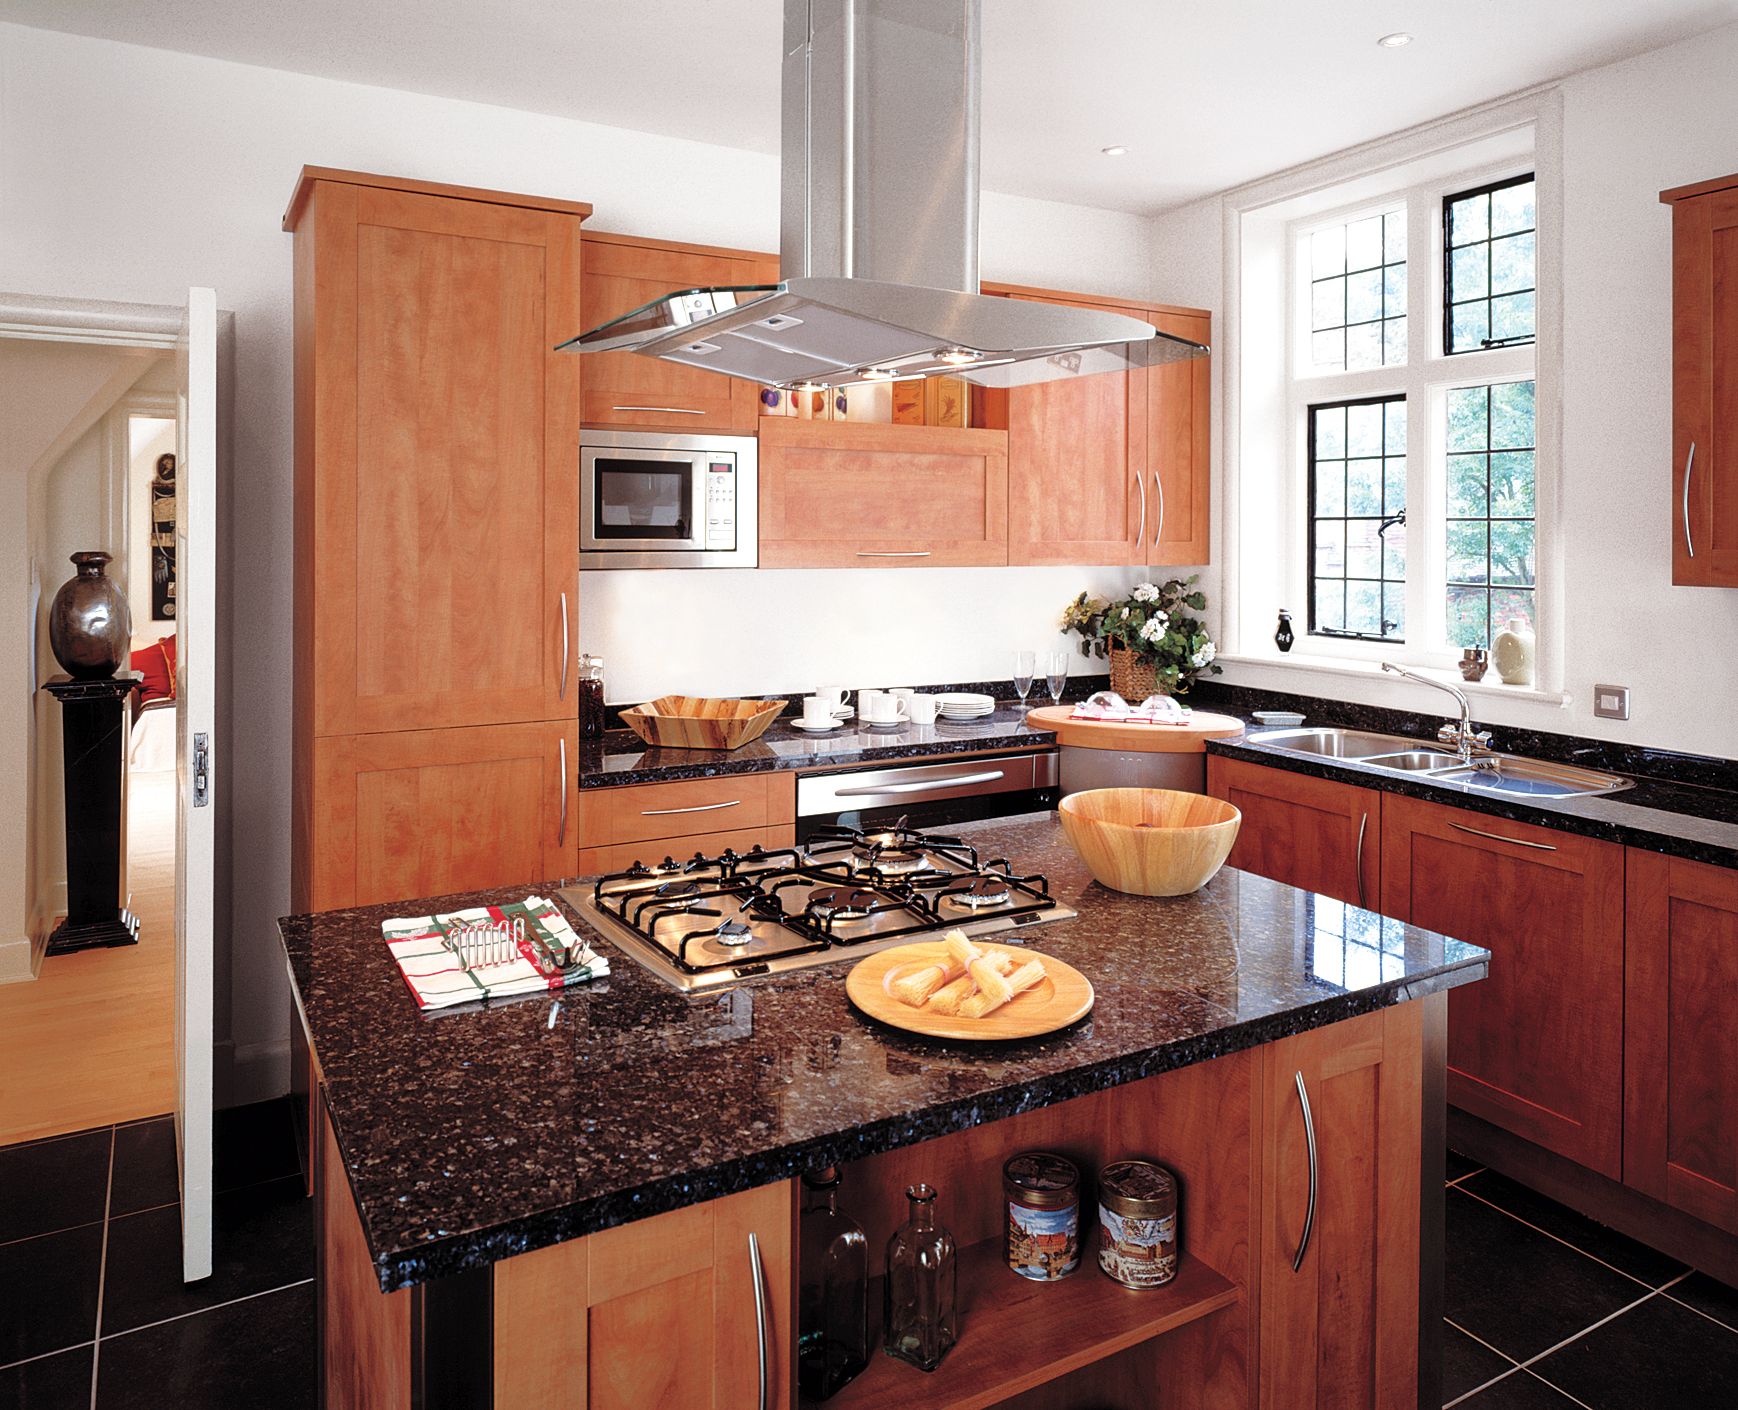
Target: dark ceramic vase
column 89, row 623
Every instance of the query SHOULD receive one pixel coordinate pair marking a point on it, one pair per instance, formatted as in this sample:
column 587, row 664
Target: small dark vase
column 1283, row 638
column 89, row 623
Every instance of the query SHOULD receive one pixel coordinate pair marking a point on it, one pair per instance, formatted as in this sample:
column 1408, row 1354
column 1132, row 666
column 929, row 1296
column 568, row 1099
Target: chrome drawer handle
column 697, row 808
column 760, row 1326
column 562, row 694
column 664, row 410
column 1689, row 466
column 1303, row 1100
column 893, row 553
column 1363, row 826
column 1498, row 837
column 1141, row 485
column 928, row 785
column 561, row 832
column 1159, row 485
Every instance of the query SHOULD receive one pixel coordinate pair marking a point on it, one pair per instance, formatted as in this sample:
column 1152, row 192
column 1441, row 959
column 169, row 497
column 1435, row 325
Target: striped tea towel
column 552, row 956
column 1083, row 711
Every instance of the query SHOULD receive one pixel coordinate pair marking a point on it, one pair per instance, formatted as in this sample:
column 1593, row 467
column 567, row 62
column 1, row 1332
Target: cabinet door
column 1339, row 1311
column 428, row 812
column 1537, row 1048
column 1681, row 1046
column 438, row 484
column 1312, row 833
column 1179, row 448
column 1077, row 465
column 629, row 389
column 1705, row 390
column 658, row 1313
column 843, row 495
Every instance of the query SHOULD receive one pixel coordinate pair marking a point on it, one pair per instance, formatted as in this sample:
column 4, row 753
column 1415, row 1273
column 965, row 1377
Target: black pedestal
column 94, row 719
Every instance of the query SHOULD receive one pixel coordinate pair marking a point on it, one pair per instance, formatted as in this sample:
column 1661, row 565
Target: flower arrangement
column 1149, row 636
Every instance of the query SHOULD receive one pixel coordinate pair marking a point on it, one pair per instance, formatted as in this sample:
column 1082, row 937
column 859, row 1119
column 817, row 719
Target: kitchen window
column 1489, row 281
column 1357, row 526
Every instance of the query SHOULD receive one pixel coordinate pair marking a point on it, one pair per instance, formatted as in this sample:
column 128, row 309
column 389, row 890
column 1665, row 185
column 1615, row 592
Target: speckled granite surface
column 476, row 1134
column 621, row 757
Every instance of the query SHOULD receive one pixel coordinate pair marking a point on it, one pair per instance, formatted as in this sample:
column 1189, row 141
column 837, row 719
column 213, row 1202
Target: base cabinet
column 1537, row 1048
column 1311, row 833
column 1681, row 1046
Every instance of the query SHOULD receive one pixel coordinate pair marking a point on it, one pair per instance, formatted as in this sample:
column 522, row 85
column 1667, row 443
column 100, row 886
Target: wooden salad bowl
column 701, row 721
column 1150, row 841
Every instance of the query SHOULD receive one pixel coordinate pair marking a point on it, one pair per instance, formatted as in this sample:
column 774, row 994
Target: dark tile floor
column 1547, row 1310
column 93, row 1312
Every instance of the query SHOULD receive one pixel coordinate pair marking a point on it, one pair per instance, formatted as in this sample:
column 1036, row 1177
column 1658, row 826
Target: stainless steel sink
column 1491, row 773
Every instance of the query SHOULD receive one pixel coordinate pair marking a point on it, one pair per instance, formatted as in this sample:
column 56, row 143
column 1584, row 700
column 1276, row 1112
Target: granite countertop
column 1669, row 816
column 622, row 757
column 472, row 1135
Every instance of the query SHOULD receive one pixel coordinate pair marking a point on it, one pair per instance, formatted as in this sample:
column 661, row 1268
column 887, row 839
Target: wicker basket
column 1131, row 677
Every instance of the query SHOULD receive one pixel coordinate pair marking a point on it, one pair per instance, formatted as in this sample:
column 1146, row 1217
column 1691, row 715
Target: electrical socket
column 1611, row 702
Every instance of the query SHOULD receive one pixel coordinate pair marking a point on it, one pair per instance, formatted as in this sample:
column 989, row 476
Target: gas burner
column 732, row 932
column 983, row 891
column 890, row 862
column 841, row 903
column 677, row 895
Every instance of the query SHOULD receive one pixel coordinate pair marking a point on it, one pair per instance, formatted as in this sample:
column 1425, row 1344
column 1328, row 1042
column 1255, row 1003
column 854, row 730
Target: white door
column 195, row 756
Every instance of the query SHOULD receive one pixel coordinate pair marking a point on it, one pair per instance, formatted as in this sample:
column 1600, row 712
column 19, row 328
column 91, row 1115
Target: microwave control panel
column 721, row 503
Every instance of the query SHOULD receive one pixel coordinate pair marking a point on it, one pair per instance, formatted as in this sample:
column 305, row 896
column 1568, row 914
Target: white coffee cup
column 904, row 692
column 884, row 709
column 866, row 701
column 922, row 709
column 818, row 710
column 833, row 695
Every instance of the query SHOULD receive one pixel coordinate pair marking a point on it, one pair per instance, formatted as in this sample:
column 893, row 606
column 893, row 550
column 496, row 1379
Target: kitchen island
column 581, row 1176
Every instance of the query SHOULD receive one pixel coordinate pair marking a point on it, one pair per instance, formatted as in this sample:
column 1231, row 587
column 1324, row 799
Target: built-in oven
column 651, row 499
column 926, row 793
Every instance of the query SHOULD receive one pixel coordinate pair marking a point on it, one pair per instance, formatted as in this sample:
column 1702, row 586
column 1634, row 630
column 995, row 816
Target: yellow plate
column 1061, row 997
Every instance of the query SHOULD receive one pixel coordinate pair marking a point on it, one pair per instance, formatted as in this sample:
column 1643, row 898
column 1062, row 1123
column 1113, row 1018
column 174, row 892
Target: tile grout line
column 1469, row 1174
column 201, row 1311
column 1514, row 1365
column 102, row 1270
column 1573, row 1400
column 1690, row 1307
column 1555, row 1238
column 1593, row 1327
column 44, row 1355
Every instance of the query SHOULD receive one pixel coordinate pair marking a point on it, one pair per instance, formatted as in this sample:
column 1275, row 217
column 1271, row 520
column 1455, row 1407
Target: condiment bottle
column 832, row 1291
column 591, row 707
column 921, row 1313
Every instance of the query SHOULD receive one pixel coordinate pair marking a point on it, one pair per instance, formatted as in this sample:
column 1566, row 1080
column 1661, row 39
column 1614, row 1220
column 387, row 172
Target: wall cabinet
column 623, row 272
column 854, row 495
column 1705, row 383
column 1312, row 833
column 1537, row 1047
column 1680, row 1044
column 1179, row 445
column 1339, row 1309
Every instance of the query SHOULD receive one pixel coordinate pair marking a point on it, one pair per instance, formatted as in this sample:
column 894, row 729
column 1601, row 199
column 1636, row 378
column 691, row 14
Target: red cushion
column 157, row 663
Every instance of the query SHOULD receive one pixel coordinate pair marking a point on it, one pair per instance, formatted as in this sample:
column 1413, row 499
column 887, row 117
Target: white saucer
column 815, row 729
column 883, row 724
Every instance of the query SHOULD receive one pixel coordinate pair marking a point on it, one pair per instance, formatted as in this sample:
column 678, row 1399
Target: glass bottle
column 833, row 1291
column 1284, row 637
column 922, row 1275
column 591, row 710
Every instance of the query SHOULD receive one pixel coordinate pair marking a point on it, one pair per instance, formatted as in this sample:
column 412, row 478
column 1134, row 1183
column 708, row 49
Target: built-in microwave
column 652, row 499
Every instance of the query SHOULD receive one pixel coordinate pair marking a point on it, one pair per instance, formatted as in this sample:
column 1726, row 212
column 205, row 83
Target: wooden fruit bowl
column 700, row 721
column 1150, row 841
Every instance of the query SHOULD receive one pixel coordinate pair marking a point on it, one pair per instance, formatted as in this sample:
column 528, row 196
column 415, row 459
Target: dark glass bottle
column 922, row 1319
column 832, row 1291
column 1283, row 638
column 592, row 716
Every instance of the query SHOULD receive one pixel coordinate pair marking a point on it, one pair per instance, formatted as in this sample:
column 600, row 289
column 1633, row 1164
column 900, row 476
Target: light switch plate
column 1611, row 702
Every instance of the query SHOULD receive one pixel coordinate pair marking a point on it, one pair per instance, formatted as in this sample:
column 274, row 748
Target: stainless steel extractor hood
column 879, row 229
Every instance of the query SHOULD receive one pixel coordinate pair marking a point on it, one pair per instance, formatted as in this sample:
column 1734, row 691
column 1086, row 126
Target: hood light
column 958, row 357
column 1398, row 40
column 1115, row 150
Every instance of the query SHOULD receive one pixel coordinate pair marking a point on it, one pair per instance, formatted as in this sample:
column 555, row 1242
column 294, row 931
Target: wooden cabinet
column 436, row 535
column 1536, row 1048
column 427, row 812
column 1705, row 383
column 1311, row 833
column 642, row 822
column 855, row 495
column 1339, row 1309
column 1680, row 1044
column 1179, row 445
column 622, row 272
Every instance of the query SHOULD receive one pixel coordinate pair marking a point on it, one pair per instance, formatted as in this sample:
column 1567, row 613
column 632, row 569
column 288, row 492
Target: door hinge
column 201, row 770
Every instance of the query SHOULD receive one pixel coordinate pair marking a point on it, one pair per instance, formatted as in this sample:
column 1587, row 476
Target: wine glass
column 1056, row 674
column 1025, row 668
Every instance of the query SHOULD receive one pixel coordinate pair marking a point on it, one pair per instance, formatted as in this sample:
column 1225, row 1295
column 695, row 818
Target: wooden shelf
column 1016, row 1334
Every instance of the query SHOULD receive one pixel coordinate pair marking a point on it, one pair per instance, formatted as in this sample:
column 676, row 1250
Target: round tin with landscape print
column 1043, row 1234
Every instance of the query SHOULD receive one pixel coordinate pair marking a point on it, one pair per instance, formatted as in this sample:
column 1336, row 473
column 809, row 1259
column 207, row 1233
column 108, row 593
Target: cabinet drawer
column 642, row 812
column 619, row 856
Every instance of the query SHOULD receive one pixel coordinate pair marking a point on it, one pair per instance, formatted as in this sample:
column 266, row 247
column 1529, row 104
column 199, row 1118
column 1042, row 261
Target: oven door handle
column 930, row 785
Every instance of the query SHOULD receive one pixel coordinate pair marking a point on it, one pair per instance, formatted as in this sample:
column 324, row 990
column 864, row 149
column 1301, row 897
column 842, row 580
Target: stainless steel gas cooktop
column 712, row 921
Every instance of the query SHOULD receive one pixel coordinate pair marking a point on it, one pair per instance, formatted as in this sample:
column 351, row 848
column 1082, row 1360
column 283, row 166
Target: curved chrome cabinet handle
column 760, row 1326
column 565, row 653
column 1363, row 827
column 664, row 410
column 697, row 808
column 561, row 831
column 1689, row 466
column 1141, row 485
column 1159, row 485
column 1498, row 837
column 1303, row 1100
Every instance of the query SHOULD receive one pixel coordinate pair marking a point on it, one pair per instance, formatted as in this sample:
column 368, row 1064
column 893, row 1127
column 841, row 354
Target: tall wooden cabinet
column 1705, row 382
column 436, row 536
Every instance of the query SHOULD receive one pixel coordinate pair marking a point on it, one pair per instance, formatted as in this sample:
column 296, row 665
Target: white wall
column 1630, row 130
column 131, row 174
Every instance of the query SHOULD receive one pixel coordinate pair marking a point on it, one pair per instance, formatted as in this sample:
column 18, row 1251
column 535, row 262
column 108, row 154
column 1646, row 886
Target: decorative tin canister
column 1043, row 1234
column 1137, row 1223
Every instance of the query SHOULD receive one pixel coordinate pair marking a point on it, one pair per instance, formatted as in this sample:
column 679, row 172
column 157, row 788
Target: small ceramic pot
column 89, row 622
column 1474, row 662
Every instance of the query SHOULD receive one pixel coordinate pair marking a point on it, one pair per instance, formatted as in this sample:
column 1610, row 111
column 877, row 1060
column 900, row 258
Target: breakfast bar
column 589, row 1198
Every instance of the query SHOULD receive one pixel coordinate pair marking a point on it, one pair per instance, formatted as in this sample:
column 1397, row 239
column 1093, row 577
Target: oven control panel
column 720, row 503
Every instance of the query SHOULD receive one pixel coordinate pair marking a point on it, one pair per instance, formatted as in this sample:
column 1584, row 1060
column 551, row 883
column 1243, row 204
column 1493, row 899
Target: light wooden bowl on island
column 701, row 721
column 1150, row 841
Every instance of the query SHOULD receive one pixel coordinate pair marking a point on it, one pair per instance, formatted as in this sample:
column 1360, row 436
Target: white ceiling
column 1206, row 93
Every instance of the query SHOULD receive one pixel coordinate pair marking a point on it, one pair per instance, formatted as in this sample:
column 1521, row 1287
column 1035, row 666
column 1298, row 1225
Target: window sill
column 1487, row 689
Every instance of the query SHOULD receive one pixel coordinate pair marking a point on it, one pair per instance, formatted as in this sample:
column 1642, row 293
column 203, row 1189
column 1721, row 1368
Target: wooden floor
column 91, row 1040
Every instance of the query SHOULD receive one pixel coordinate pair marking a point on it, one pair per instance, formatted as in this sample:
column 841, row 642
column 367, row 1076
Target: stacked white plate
column 966, row 706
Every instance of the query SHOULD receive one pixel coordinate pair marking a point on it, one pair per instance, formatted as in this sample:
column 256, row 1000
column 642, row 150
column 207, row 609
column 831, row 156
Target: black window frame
column 1384, row 520
column 1490, row 587
column 1448, row 248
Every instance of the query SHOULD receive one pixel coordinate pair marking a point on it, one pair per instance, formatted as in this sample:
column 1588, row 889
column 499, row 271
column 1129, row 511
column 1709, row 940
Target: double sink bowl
column 1488, row 772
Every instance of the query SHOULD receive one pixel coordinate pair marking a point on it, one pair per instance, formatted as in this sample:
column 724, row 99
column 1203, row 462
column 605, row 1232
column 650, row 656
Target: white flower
column 1154, row 627
column 1145, row 592
column 1203, row 657
column 1125, row 612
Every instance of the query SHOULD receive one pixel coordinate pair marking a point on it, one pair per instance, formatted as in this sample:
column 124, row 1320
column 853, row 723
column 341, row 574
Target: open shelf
column 1016, row 1334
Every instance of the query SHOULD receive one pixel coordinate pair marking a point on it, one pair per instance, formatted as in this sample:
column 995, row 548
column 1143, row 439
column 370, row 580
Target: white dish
column 884, row 724
column 844, row 712
column 1288, row 718
column 815, row 729
column 968, row 700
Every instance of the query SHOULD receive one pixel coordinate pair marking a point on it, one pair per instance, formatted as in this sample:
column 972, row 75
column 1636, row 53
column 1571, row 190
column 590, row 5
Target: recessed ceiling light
column 1116, row 150
column 1398, row 40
